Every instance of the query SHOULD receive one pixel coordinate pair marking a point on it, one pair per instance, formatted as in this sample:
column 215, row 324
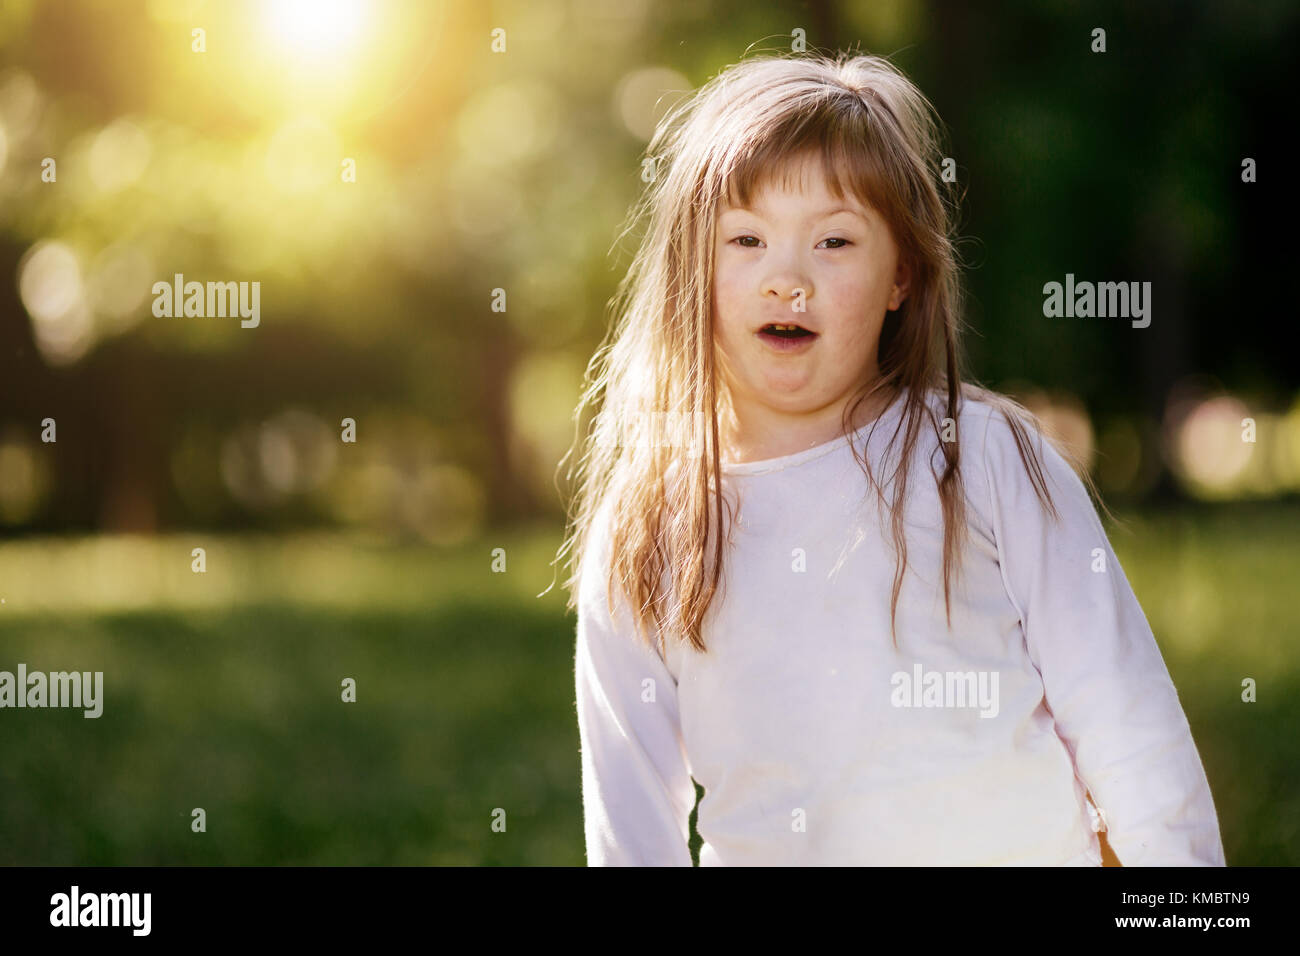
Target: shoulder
column 1025, row 471
column 976, row 408
column 1005, row 456
column 996, row 431
column 979, row 423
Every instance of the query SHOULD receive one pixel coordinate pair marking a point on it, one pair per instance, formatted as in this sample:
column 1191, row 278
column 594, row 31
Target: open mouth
column 784, row 336
column 786, row 331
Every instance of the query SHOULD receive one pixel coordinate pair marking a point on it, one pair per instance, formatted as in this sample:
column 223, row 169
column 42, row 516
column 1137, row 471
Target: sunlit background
column 381, row 168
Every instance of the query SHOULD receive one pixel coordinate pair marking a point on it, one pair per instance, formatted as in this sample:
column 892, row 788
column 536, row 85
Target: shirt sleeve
column 1105, row 682
column 637, row 792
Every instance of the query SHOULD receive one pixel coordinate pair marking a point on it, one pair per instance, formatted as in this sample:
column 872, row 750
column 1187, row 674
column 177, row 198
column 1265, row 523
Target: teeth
column 784, row 328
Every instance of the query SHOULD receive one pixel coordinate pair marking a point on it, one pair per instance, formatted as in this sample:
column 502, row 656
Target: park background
column 478, row 170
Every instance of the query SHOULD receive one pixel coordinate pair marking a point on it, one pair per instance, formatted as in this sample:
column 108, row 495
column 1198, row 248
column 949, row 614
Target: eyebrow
column 824, row 214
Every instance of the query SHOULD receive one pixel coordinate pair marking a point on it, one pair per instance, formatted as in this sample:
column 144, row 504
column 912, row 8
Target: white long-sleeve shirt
column 817, row 743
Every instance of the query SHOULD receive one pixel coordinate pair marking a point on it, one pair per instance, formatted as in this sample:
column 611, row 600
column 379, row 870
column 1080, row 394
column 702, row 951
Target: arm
column 637, row 793
column 1105, row 681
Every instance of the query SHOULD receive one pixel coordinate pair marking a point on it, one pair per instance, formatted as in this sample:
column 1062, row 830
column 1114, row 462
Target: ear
column 902, row 286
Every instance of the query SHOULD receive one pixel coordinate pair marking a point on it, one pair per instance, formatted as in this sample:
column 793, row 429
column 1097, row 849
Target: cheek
column 859, row 302
column 727, row 296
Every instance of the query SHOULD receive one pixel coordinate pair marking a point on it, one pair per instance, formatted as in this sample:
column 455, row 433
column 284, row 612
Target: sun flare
column 315, row 29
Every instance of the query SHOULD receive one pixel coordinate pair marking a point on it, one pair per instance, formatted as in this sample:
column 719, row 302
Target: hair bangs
column 836, row 135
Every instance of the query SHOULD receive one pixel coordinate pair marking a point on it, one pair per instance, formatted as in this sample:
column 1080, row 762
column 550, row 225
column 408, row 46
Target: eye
column 836, row 239
column 741, row 241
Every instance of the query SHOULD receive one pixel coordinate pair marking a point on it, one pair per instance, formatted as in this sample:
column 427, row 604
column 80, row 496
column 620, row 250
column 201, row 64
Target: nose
column 787, row 282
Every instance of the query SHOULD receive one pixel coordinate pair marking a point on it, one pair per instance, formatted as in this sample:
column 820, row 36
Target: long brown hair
column 654, row 374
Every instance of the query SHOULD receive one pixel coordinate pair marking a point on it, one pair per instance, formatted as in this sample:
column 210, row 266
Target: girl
column 787, row 349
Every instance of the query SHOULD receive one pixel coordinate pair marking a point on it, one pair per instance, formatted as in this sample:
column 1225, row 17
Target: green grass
column 459, row 711
column 222, row 691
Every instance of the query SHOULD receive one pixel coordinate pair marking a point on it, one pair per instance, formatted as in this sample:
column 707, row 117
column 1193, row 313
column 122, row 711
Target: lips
column 787, row 317
column 786, row 330
column 786, row 337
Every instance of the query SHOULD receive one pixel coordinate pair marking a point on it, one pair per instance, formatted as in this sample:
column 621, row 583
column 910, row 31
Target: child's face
column 846, row 263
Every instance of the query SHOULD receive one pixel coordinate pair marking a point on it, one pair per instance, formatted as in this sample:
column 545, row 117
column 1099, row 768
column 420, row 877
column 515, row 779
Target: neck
column 748, row 437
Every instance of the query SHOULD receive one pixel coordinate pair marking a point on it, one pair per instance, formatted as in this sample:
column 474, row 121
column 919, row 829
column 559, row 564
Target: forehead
column 803, row 176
